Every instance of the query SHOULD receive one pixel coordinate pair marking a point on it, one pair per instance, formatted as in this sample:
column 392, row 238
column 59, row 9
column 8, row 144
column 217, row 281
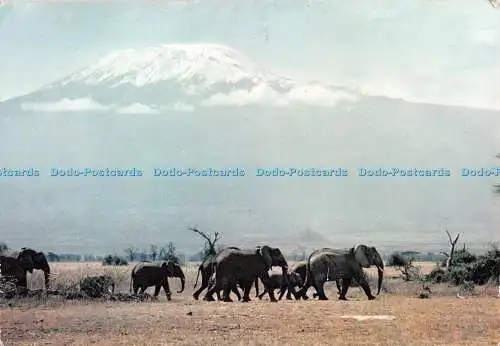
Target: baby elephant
column 277, row 282
column 234, row 289
column 147, row 274
column 97, row 286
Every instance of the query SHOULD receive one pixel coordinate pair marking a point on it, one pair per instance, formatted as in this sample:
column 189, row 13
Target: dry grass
column 441, row 320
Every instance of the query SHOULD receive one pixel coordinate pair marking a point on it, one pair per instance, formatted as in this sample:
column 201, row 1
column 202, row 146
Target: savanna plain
column 397, row 317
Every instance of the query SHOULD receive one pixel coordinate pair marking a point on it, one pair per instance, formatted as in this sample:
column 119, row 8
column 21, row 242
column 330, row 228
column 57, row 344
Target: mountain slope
column 307, row 240
column 176, row 77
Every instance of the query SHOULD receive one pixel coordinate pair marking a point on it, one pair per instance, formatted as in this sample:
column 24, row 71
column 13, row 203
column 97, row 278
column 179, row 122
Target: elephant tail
column 309, row 279
column 131, row 280
column 197, row 276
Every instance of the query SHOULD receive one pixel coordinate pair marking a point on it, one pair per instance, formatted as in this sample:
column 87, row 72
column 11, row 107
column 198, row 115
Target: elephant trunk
column 284, row 270
column 380, row 269
column 183, row 282
column 45, row 267
column 178, row 273
column 46, row 274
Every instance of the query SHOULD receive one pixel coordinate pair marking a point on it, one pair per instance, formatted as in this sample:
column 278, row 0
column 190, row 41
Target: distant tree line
column 169, row 252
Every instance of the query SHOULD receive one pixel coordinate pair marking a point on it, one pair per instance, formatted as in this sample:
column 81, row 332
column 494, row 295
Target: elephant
column 12, row 269
column 97, row 286
column 31, row 259
column 366, row 257
column 244, row 267
column 207, row 270
column 288, row 284
column 300, row 268
column 328, row 265
column 147, row 274
column 234, row 289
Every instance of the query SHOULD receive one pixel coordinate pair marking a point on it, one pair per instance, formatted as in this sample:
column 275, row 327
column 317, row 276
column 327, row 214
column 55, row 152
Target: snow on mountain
column 179, row 77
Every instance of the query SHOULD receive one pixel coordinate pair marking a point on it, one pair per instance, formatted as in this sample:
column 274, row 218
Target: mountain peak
column 210, row 62
column 178, row 77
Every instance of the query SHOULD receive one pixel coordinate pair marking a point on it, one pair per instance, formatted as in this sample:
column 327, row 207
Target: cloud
column 87, row 104
column 263, row 94
column 65, row 105
column 181, row 107
column 486, row 37
column 137, row 108
column 319, row 95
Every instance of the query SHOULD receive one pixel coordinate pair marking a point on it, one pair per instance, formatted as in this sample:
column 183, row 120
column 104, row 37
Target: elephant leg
column 320, row 290
column 256, row 287
column 246, row 291
column 360, row 279
column 209, row 296
column 284, row 289
column 23, row 282
column 262, row 294
column 302, row 291
column 166, row 288
column 157, row 290
column 290, row 290
column 226, row 294
column 196, row 294
column 237, row 292
column 204, row 284
column 338, row 286
column 268, row 286
column 143, row 289
column 346, row 282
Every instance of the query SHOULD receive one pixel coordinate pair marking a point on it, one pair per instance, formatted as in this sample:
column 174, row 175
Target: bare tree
column 153, row 252
column 131, row 252
column 408, row 270
column 163, row 253
column 3, row 247
column 209, row 242
column 449, row 256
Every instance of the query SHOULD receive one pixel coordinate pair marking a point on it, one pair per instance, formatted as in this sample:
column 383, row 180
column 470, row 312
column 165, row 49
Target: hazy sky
column 434, row 51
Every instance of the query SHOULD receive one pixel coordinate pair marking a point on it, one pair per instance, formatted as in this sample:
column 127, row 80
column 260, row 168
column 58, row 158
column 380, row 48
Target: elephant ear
column 376, row 258
column 170, row 266
column 26, row 257
column 363, row 256
column 39, row 259
column 265, row 252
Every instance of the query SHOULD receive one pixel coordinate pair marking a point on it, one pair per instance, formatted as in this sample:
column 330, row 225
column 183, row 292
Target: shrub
column 397, row 260
column 459, row 275
column 437, row 275
column 111, row 260
column 462, row 257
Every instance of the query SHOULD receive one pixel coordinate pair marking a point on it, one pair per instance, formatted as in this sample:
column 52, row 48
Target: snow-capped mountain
column 179, row 77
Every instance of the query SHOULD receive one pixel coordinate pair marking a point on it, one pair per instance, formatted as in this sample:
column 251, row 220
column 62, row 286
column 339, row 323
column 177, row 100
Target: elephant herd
column 16, row 265
column 232, row 269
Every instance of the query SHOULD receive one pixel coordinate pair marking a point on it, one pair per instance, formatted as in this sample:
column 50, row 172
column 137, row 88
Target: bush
column 111, row 260
column 459, row 275
column 468, row 269
column 397, row 260
column 437, row 275
column 462, row 257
